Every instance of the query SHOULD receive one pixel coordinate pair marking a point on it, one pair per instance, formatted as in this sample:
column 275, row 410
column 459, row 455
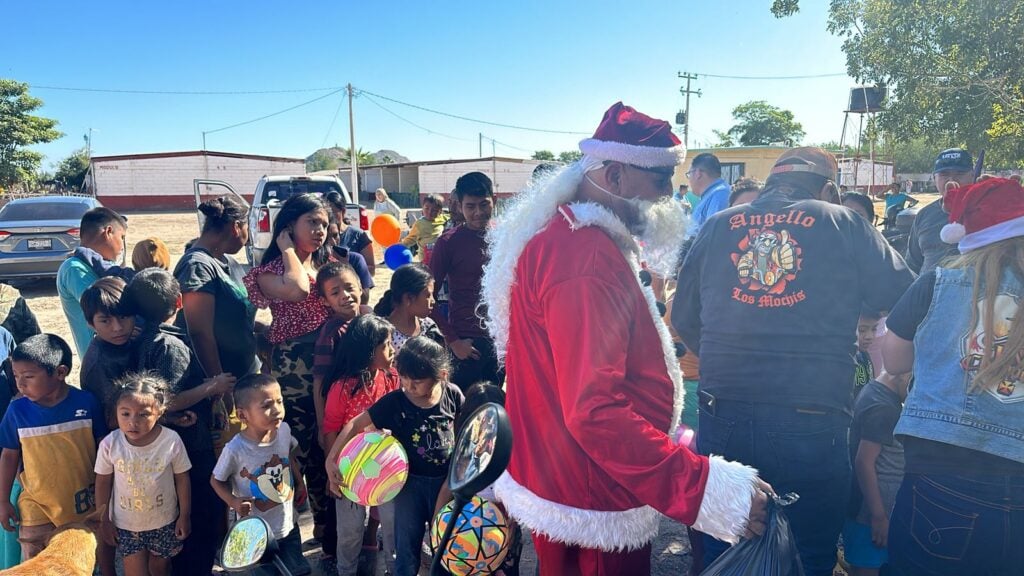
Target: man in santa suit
column 594, row 387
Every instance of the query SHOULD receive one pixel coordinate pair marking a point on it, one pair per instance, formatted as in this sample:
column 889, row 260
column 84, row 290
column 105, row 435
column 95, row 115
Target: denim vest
column 941, row 406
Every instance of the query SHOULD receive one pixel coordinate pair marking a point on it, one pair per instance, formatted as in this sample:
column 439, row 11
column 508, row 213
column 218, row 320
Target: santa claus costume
column 593, row 383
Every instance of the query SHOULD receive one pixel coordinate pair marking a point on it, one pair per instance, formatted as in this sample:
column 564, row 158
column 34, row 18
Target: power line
column 180, row 92
column 272, row 114
column 500, row 143
column 373, row 101
column 333, row 90
column 476, row 120
column 802, row 77
column 331, row 127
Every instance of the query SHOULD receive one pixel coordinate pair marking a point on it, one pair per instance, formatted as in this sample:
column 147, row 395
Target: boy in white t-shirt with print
column 256, row 473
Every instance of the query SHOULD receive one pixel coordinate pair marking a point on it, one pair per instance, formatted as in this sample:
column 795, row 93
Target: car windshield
column 282, row 191
column 29, row 211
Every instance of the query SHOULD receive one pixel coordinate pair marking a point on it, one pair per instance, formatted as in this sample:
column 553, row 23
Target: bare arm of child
column 9, row 461
column 104, row 490
column 867, row 479
column 241, row 506
column 353, row 427
column 183, row 488
column 299, row 482
column 443, row 497
column 219, row 384
column 413, row 236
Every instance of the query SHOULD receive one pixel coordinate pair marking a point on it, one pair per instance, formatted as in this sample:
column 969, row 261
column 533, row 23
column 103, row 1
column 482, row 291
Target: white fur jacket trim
column 723, row 512
column 609, row 531
column 730, row 486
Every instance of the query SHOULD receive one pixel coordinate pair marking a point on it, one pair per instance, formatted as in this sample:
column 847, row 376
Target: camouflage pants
column 292, row 366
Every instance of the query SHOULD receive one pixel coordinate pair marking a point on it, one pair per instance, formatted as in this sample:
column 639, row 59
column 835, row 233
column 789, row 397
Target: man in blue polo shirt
column 705, row 176
column 102, row 232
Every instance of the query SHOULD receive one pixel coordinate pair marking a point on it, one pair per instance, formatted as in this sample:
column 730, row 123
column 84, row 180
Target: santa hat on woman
column 984, row 213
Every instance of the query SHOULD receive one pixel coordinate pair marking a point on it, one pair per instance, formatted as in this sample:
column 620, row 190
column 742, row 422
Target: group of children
column 160, row 480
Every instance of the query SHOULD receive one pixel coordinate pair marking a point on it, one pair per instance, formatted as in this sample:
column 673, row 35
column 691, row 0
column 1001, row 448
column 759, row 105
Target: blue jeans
column 795, row 450
column 414, row 509
column 958, row 525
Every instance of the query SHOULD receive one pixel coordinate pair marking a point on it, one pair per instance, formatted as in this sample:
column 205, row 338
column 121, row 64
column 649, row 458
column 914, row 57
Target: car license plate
column 40, row 244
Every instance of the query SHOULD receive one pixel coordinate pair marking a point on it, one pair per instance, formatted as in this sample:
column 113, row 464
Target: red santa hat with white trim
column 634, row 138
column 984, row 213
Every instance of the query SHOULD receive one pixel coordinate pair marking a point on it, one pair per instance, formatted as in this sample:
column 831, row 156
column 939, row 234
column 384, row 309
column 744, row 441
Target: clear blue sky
column 555, row 65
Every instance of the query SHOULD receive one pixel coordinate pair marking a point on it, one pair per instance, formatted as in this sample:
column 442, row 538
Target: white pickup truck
column 271, row 193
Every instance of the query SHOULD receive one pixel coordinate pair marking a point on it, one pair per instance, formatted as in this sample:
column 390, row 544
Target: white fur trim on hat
column 605, row 530
column 728, row 494
column 642, row 156
column 1003, row 231
column 952, row 233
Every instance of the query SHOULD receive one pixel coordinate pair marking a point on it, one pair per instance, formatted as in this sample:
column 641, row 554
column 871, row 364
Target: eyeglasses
column 689, row 173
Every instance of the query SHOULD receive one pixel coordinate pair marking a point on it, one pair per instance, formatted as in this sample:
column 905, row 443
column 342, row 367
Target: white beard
column 660, row 234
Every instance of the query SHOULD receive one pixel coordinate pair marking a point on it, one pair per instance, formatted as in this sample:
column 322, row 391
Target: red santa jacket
column 593, row 392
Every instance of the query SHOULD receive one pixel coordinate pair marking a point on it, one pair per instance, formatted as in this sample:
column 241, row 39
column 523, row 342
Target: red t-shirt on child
column 343, row 406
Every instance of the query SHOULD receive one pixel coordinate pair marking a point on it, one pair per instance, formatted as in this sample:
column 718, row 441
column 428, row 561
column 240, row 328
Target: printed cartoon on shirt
column 271, row 484
column 972, row 346
column 768, row 259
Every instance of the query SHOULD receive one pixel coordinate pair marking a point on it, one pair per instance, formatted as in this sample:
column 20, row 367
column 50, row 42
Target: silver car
column 38, row 234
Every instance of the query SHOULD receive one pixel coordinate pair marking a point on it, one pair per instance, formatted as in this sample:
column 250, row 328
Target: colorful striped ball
column 480, row 539
column 373, row 467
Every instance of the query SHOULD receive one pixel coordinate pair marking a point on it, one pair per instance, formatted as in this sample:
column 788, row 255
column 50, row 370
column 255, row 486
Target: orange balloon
column 385, row 230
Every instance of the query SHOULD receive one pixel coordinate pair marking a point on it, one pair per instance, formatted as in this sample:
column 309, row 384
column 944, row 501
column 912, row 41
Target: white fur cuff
column 604, row 530
column 728, row 495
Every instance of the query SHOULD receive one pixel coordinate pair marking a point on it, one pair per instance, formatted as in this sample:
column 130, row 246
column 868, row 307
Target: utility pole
column 353, row 160
column 686, row 92
column 481, row 154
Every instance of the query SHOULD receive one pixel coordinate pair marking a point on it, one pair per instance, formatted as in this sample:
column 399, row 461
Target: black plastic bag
column 772, row 554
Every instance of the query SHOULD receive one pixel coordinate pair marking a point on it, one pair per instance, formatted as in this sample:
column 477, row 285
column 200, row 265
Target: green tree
column 363, row 157
column 955, row 69
column 570, row 156
column 20, row 129
column 71, row 171
column 725, row 140
column 543, row 155
column 914, row 156
column 783, row 8
column 758, row 123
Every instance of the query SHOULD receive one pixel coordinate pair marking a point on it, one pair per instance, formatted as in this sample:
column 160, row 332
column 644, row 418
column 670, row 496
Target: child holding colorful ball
column 421, row 416
column 361, row 375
